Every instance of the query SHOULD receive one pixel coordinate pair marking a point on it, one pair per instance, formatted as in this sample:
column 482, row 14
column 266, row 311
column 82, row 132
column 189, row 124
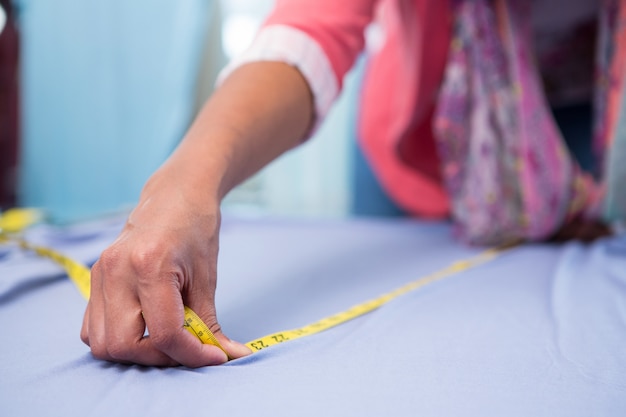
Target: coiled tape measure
column 15, row 220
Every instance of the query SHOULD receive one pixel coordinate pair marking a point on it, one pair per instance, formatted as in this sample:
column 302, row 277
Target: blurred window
column 3, row 18
column 242, row 19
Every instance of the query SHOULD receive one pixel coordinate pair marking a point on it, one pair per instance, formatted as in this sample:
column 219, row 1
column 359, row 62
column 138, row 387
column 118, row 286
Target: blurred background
column 95, row 95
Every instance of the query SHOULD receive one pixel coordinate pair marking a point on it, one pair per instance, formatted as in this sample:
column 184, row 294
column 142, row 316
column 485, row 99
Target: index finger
column 164, row 316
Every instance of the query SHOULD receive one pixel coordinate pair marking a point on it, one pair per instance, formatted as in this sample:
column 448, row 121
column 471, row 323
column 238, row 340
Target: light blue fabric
column 368, row 196
column 539, row 331
column 108, row 90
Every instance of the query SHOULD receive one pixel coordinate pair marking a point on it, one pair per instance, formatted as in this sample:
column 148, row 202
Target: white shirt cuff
column 280, row 43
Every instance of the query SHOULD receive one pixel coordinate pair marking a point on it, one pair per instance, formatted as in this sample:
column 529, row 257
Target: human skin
column 166, row 255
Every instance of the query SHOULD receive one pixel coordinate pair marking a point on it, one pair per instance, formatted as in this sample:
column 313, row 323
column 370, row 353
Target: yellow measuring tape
column 13, row 221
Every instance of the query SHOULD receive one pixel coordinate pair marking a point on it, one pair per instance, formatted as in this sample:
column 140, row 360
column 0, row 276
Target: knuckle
column 213, row 325
column 84, row 335
column 163, row 340
column 215, row 328
column 141, row 260
column 145, row 259
column 99, row 351
column 119, row 351
column 109, row 259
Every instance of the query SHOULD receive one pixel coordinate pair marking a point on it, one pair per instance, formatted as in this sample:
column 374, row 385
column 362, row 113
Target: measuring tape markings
column 81, row 277
column 373, row 304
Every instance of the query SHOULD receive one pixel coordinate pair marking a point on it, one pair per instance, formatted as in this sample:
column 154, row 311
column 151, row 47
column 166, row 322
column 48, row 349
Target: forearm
column 166, row 255
column 260, row 111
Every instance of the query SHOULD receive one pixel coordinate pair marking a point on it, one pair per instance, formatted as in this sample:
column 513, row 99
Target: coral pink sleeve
column 338, row 26
column 321, row 38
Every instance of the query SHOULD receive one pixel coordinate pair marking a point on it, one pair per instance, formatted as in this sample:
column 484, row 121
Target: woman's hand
column 165, row 258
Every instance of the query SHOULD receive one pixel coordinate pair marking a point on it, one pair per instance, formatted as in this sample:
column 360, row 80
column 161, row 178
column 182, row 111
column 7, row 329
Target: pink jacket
column 400, row 86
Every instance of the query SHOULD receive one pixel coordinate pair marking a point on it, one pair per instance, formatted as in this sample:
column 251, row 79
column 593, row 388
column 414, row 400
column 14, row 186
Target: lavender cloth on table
column 539, row 331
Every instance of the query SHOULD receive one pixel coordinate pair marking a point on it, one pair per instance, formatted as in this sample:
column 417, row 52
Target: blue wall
column 108, row 90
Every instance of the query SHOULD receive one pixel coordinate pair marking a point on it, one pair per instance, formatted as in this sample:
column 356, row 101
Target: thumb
column 232, row 348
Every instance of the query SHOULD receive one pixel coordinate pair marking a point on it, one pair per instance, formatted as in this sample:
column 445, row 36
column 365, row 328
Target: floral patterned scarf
column 505, row 163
